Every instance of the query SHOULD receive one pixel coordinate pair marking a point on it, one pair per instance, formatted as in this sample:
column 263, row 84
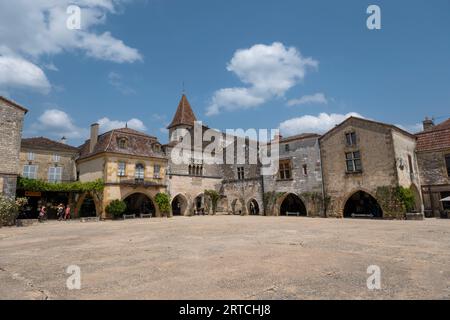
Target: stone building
column 11, row 120
column 297, row 186
column 433, row 154
column 131, row 164
column 363, row 162
column 188, row 181
column 47, row 160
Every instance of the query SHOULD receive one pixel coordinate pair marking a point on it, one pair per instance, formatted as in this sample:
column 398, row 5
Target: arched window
column 190, row 170
column 139, row 171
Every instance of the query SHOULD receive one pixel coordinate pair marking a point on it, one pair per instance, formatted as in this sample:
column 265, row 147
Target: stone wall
column 11, row 123
column 43, row 159
column 302, row 152
column 375, row 142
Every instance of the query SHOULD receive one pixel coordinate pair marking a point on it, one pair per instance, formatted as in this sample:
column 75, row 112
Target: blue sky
column 302, row 65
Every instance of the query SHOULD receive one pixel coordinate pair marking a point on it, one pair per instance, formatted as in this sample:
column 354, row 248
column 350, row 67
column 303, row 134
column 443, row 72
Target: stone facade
column 380, row 157
column 302, row 154
column 433, row 153
column 134, row 172
column 42, row 155
column 11, row 120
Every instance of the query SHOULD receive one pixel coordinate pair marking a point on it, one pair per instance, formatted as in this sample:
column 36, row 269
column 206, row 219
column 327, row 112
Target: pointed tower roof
column 184, row 114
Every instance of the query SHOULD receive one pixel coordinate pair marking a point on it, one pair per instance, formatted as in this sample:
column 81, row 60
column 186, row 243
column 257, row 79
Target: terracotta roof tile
column 46, row 144
column 184, row 114
column 435, row 139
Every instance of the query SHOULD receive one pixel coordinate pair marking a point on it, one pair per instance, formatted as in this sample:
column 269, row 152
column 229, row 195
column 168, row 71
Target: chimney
column 428, row 124
column 94, row 136
column 63, row 140
column 277, row 137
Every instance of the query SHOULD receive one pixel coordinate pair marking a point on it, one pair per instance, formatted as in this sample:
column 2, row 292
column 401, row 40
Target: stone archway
column 87, row 205
column 179, row 205
column 361, row 204
column 292, row 204
column 236, row 207
column 201, row 205
column 139, row 203
column 253, row 208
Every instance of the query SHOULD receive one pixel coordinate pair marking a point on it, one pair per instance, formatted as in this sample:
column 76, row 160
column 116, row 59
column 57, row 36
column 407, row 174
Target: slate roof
column 46, row 144
column 435, row 139
column 138, row 144
column 184, row 114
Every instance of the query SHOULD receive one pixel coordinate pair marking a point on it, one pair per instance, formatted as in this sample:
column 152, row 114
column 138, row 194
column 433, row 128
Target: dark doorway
column 139, row 203
column 178, row 205
column 87, row 208
column 253, row 208
column 293, row 205
column 362, row 205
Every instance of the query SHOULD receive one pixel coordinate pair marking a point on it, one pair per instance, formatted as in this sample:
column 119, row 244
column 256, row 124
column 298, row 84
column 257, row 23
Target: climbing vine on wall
column 43, row 186
column 395, row 201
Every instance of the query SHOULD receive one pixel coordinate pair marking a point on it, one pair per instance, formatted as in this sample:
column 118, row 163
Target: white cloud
column 269, row 71
column 17, row 72
column 56, row 123
column 106, row 124
column 31, row 30
column 318, row 98
column 315, row 124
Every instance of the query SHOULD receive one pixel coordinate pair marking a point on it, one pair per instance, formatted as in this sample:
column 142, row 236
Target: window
column 56, row 157
column 156, row 171
column 139, row 173
column 305, row 169
column 121, row 169
column 350, row 138
column 30, row 171
column 285, row 170
column 190, row 170
column 286, row 147
column 30, row 156
column 353, row 160
column 54, row 174
column 410, row 164
column 240, row 172
column 122, row 142
column 447, row 163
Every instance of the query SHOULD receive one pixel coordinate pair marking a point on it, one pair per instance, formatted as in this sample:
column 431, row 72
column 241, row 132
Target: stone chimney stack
column 94, row 136
column 428, row 124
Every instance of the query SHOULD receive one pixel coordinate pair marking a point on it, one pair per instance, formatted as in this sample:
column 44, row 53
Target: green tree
column 163, row 202
column 116, row 208
column 214, row 196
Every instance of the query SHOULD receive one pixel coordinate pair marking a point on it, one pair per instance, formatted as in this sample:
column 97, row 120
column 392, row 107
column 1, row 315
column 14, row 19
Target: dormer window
column 122, row 143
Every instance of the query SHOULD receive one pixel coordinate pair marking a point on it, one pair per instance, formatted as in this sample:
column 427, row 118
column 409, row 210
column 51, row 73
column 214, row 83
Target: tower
column 184, row 119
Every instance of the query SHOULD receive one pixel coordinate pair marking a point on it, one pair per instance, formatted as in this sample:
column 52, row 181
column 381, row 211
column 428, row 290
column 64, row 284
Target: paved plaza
column 227, row 257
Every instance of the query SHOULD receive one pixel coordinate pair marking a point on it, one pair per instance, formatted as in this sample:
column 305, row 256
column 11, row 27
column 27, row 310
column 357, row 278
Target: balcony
column 138, row 182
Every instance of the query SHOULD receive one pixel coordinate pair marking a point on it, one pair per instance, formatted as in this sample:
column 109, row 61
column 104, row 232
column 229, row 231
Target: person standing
column 42, row 214
column 67, row 213
column 60, row 212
